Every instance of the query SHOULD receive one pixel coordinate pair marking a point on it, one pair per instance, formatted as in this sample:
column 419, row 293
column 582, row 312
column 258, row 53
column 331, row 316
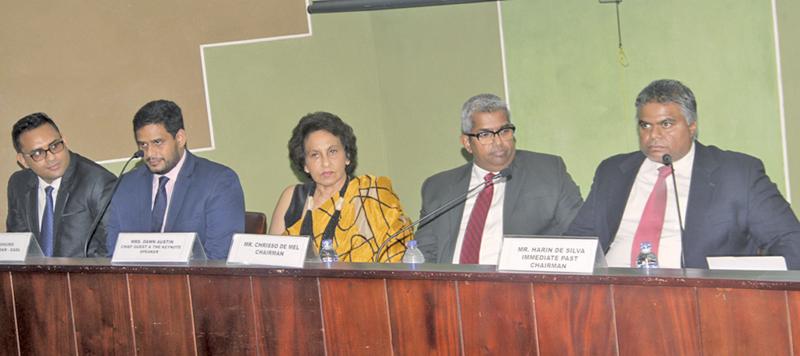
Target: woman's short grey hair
column 481, row 103
column 665, row 91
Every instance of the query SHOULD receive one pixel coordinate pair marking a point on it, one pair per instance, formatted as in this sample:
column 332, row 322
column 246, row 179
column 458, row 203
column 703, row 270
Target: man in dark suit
column 174, row 190
column 59, row 195
column 728, row 204
column 539, row 196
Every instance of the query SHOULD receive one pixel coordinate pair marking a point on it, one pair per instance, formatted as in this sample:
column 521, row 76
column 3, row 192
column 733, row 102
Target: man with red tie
column 727, row 204
column 534, row 195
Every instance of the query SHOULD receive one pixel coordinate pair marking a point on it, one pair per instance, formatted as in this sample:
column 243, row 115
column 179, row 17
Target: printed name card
column 14, row 246
column 270, row 250
column 548, row 254
column 747, row 263
column 171, row 247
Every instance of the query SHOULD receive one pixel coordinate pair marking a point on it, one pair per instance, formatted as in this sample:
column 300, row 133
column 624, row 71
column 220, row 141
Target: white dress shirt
column 670, row 245
column 493, row 229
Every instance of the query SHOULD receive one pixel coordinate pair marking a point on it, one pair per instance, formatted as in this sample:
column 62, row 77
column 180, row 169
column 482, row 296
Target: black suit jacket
column 85, row 187
column 733, row 207
column 540, row 199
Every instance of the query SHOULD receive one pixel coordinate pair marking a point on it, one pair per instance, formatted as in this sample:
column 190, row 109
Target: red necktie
column 471, row 246
column 649, row 229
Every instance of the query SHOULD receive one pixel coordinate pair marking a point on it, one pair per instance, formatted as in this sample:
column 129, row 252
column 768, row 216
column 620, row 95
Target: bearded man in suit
column 174, row 190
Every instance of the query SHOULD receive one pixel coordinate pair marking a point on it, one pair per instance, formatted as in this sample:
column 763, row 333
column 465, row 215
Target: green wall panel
column 577, row 100
column 788, row 17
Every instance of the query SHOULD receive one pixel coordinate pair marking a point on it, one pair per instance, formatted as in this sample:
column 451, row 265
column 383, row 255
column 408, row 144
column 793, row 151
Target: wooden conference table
column 74, row 306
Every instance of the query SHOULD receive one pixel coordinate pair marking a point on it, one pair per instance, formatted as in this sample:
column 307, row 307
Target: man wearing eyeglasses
column 59, row 194
column 538, row 196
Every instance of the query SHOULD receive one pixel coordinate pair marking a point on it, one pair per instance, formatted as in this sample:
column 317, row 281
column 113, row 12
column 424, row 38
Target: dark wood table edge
column 778, row 280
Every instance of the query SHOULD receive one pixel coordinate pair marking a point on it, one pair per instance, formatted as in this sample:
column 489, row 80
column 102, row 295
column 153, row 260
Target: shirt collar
column 686, row 162
column 56, row 183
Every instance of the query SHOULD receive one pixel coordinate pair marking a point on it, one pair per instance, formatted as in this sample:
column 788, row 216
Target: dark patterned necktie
column 47, row 223
column 160, row 204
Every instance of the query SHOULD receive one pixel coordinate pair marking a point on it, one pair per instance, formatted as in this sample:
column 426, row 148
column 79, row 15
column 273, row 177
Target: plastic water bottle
column 413, row 254
column 327, row 254
column 646, row 257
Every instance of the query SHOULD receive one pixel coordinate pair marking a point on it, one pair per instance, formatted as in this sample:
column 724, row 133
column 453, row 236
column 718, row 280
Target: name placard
column 171, row 247
column 270, row 250
column 548, row 254
column 14, row 246
column 747, row 263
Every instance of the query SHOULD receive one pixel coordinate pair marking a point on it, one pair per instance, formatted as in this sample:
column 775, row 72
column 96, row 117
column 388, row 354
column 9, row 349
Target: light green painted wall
column 384, row 73
column 259, row 91
column 576, row 100
column 430, row 61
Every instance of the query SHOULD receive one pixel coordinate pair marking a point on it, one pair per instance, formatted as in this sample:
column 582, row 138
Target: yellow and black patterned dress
column 370, row 212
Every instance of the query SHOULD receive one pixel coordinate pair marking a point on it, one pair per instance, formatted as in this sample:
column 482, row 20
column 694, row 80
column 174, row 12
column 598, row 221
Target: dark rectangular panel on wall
column 744, row 322
column 574, row 319
column 424, row 317
column 102, row 313
column 162, row 315
column 8, row 331
column 483, row 332
column 355, row 316
column 223, row 315
column 44, row 317
column 656, row 320
column 288, row 316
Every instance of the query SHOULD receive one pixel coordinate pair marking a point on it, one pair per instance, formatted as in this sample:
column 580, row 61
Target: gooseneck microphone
column 99, row 217
column 505, row 173
column 666, row 159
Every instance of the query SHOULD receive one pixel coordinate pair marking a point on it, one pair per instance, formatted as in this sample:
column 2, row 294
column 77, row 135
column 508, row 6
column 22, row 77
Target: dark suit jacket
column 733, row 207
column 540, row 199
column 207, row 199
column 85, row 187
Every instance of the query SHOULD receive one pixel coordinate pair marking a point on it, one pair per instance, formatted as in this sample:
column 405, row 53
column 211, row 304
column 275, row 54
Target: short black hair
column 163, row 112
column 321, row 121
column 28, row 123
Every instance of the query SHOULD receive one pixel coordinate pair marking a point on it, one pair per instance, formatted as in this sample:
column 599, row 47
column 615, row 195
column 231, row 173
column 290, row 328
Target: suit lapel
column 179, row 191
column 58, row 210
column 63, row 197
column 32, row 205
column 454, row 221
column 620, row 190
column 512, row 192
column 145, row 188
column 701, row 190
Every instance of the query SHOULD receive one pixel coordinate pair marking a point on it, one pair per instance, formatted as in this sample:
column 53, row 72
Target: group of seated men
column 726, row 205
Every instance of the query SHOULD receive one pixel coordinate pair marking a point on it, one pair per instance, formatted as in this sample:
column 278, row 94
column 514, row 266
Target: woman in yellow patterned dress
column 359, row 213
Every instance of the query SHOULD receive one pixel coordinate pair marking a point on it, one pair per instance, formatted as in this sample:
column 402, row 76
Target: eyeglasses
column 486, row 136
column 39, row 154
